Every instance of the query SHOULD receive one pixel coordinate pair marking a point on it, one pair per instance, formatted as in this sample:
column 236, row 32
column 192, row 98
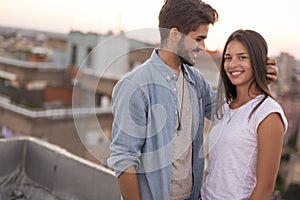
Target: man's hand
column 272, row 70
column 129, row 184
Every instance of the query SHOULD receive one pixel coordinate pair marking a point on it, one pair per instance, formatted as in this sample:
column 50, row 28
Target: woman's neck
column 244, row 95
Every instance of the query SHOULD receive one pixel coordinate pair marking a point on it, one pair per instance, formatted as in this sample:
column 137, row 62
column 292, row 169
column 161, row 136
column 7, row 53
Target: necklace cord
column 179, row 114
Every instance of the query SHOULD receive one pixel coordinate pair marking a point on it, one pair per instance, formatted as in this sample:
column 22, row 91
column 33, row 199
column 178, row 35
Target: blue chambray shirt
column 145, row 112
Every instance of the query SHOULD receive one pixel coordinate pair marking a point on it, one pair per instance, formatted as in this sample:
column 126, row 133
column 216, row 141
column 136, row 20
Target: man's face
column 190, row 45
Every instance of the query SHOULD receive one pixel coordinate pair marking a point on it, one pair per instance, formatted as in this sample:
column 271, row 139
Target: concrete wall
column 33, row 163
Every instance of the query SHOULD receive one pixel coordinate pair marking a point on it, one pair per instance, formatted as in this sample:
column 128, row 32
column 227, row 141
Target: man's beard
column 184, row 55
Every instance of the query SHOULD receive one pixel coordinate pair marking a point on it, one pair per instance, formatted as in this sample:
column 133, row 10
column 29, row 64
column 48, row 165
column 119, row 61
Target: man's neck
column 170, row 59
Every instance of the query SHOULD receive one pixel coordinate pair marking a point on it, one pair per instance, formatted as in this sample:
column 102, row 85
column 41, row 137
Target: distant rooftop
column 31, row 32
column 25, row 64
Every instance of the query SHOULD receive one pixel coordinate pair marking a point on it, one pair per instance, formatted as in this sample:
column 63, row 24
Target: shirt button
column 175, row 89
column 174, row 76
column 176, row 112
column 168, row 78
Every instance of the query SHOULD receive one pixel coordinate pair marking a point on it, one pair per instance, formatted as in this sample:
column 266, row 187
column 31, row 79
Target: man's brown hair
column 185, row 15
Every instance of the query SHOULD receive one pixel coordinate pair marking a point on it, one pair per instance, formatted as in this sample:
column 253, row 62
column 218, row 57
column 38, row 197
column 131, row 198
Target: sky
column 277, row 21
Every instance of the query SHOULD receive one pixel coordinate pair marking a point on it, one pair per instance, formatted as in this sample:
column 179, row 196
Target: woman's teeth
column 236, row 73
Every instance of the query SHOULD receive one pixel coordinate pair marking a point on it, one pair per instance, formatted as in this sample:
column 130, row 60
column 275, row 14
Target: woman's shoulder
column 271, row 103
column 269, row 106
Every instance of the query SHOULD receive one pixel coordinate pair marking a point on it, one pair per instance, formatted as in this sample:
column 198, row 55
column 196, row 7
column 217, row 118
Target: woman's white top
column 233, row 150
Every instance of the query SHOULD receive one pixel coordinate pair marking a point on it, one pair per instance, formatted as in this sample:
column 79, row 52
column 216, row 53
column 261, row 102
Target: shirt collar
column 167, row 71
column 187, row 73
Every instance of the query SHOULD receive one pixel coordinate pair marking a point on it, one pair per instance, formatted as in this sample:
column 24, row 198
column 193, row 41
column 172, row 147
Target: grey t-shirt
column 182, row 179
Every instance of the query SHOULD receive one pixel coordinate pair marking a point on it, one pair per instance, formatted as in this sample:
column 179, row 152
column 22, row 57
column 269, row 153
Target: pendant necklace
column 179, row 114
column 231, row 116
column 232, row 112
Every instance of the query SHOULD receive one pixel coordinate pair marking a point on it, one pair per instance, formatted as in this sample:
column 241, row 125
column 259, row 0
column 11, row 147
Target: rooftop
column 35, row 169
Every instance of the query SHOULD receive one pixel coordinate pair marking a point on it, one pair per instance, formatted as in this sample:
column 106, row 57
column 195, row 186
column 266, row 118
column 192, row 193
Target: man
column 159, row 110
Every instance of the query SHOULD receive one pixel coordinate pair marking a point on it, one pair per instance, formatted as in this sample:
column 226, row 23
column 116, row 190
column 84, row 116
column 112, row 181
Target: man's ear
column 175, row 35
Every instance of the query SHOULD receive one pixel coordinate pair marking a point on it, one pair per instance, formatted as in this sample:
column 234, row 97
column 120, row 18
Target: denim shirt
column 145, row 113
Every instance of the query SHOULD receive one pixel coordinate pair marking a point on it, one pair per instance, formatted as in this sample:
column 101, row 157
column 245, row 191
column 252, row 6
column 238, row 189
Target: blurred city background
column 58, row 68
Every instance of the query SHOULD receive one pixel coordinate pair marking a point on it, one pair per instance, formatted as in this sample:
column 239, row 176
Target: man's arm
column 129, row 185
column 128, row 136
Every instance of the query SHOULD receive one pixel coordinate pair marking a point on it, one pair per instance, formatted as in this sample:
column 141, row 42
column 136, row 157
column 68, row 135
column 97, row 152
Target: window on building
column 89, row 56
column 98, row 100
column 74, row 55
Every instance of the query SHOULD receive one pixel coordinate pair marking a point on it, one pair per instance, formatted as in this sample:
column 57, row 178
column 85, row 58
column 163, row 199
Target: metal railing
column 52, row 113
column 26, row 64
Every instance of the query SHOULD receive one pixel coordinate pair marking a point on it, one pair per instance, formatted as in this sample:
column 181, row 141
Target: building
column 95, row 57
column 287, row 92
column 288, row 95
column 97, row 62
column 36, row 100
column 64, row 104
column 33, row 45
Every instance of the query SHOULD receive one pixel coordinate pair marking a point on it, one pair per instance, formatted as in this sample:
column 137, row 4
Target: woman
column 246, row 142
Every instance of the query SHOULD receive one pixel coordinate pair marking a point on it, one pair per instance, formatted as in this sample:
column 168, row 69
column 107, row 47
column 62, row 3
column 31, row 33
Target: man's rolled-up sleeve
column 129, row 126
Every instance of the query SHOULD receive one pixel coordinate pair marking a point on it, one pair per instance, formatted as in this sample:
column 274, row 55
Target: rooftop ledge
column 35, row 169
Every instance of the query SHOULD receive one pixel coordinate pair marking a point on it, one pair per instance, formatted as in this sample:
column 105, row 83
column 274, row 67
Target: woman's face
column 237, row 64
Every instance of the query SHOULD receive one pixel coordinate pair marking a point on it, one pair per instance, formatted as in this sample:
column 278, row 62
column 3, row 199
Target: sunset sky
column 277, row 21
